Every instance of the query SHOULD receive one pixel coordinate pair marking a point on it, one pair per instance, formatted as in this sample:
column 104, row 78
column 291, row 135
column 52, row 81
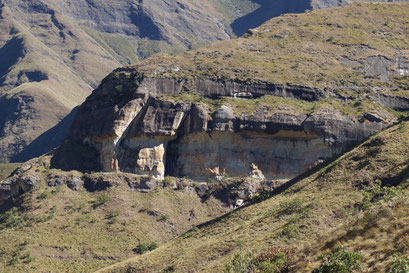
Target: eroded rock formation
column 136, row 127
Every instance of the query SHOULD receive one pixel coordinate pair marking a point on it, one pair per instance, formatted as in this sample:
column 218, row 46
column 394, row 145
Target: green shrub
column 152, row 246
column 289, row 230
column 143, row 248
column 101, row 199
column 14, row 260
column 27, row 258
column 168, row 181
column 10, row 218
column 275, row 260
column 377, row 192
column 340, row 261
column 399, row 265
column 402, row 126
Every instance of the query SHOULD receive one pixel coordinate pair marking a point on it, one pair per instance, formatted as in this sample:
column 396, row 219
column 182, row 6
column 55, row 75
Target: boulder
column 5, row 190
column 72, row 181
column 100, row 182
column 23, row 184
column 202, row 189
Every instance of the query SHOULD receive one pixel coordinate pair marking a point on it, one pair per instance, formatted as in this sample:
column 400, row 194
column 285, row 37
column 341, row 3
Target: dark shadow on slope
column 268, row 9
column 7, row 109
column 70, row 156
column 9, row 55
column 146, row 26
column 48, row 140
column 397, row 179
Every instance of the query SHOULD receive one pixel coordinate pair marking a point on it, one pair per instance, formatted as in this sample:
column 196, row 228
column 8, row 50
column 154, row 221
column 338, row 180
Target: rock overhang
column 163, row 126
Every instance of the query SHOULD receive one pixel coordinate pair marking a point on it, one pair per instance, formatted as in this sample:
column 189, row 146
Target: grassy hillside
column 309, row 214
column 7, row 169
column 330, row 49
column 59, row 230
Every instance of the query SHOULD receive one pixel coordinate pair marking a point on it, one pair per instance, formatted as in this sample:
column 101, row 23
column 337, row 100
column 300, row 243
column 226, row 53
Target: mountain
column 293, row 92
column 292, row 138
column 54, row 53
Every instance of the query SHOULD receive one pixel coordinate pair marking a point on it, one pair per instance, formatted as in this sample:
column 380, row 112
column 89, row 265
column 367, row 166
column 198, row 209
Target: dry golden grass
column 7, row 169
column 60, row 230
column 310, row 49
column 313, row 212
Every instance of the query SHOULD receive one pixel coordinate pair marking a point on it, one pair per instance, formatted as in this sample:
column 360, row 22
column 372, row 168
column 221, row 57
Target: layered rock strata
column 143, row 125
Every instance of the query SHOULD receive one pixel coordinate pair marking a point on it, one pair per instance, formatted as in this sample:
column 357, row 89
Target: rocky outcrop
column 74, row 182
column 393, row 102
column 5, row 191
column 17, row 185
column 136, row 130
column 83, row 40
column 216, row 111
column 22, row 184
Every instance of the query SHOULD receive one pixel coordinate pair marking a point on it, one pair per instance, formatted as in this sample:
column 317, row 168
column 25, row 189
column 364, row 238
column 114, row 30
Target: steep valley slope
column 53, row 53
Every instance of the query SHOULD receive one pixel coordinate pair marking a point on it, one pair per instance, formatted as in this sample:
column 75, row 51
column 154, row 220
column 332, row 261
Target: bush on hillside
column 241, row 263
column 275, row 260
column 339, row 261
column 143, row 248
column 399, row 265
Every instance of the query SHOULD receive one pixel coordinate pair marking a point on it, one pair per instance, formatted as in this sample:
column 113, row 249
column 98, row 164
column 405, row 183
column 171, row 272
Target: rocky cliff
column 137, row 130
column 199, row 112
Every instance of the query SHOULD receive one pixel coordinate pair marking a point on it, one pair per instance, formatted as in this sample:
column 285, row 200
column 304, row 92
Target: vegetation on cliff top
column 326, row 49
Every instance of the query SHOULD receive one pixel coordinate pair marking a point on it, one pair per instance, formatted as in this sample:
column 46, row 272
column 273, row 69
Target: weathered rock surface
column 138, row 131
column 99, row 182
column 216, row 111
column 17, row 185
column 73, row 182
column 5, row 191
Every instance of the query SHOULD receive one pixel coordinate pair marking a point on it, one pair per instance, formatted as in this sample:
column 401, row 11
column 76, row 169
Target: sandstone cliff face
column 138, row 130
